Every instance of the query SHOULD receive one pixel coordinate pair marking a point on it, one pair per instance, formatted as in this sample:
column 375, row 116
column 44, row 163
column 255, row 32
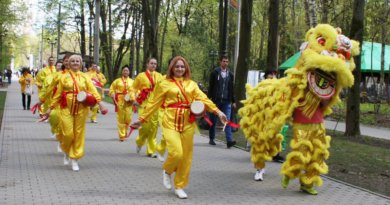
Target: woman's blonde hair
column 187, row 73
column 77, row 57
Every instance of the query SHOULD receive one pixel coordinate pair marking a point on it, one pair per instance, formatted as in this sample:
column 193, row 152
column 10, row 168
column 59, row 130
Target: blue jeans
column 226, row 108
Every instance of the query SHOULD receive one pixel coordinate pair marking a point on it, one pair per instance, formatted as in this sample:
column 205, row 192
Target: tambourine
column 321, row 84
column 86, row 98
column 197, row 108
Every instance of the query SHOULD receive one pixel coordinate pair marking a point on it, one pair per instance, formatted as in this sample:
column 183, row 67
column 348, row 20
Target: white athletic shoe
column 75, row 165
column 66, row 159
column 138, row 149
column 59, row 150
column 180, row 193
column 160, row 157
column 167, row 180
column 259, row 174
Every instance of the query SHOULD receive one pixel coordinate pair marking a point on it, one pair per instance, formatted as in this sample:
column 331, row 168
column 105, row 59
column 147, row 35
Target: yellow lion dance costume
column 304, row 96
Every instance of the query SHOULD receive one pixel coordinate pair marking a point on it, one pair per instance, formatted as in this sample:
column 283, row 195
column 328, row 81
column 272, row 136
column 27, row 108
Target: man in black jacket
column 222, row 94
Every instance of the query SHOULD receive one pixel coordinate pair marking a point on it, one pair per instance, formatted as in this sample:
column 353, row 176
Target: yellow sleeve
column 57, row 96
column 92, row 89
column 113, row 87
column 102, row 79
column 137, row 82
column 155, row 101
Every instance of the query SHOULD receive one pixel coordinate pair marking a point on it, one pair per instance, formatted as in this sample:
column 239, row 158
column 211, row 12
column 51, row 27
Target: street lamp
column 52, row 42
column 91, row 19
column 78, row 20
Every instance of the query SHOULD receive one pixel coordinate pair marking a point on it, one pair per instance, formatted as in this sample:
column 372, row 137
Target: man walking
column 222, row 94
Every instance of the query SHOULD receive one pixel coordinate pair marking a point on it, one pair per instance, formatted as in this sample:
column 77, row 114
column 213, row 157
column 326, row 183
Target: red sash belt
column 192, row 117
column 116, row 100
column 63, row 98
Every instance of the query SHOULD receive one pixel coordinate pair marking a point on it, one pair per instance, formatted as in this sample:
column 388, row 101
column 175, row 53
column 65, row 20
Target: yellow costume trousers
column 123, row 117
column 310, row 146
column 179, row 160
column 148, row 132
column 54, row 122
column 72, row 128
column 93, row 112
column 162, row 146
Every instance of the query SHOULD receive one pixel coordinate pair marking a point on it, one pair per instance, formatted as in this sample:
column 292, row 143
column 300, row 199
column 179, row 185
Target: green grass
column 370, row 114
column 2, row 104
column 108, row 99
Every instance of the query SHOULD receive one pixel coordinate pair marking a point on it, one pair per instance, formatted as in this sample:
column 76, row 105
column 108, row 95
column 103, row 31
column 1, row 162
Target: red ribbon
column 134, row 109
column 131, row 131
column 232, row 124
column 97, row 83
column 34, row 108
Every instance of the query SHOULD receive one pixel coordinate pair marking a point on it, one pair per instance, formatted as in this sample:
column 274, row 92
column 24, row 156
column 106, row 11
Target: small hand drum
column 321, row 84
column 197, row 108
column 86, row 98
column 127, row 98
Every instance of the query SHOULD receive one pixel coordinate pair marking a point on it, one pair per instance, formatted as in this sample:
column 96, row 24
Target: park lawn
column 368, row 116
column 363, row 162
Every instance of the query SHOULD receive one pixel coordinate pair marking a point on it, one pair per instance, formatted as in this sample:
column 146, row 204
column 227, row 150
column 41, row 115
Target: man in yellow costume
column 96, row 79
column 306, row 94
column 40, row 80
column 144, row 85
column 121, row 91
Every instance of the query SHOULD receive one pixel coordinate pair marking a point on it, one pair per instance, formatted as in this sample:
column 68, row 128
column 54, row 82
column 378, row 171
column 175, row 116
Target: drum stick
column 224, row 126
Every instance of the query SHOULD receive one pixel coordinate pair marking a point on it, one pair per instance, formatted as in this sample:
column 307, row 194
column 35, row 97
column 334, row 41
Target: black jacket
column 215, row 91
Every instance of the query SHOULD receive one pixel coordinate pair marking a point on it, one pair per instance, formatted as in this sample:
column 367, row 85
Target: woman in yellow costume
column 144, row 84
column 121, row 91
column 47, row 93
column 97, row 81
column 306, row 94
column 73, row 113
column 40, row 80
column 176, row 93
column 26, row 82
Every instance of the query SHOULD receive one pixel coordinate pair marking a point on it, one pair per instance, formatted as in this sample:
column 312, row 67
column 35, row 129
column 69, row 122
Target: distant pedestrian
column 9, row 75
column 26, row 82
column 222, row 94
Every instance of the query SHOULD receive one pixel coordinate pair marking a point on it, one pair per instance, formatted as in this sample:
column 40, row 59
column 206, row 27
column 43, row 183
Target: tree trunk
column 353, row 103
column 138, row 42
column 82, row 30
column 244, row 51
column 273, row 25
column 165, row 29
column 150, row 13
column 311, row 17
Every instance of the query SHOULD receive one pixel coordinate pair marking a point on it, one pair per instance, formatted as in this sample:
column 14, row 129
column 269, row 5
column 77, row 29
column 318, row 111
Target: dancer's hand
column 136, row 124
column 222, row 117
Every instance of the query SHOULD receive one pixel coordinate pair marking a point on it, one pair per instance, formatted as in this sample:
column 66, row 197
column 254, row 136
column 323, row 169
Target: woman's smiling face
column 179, row 69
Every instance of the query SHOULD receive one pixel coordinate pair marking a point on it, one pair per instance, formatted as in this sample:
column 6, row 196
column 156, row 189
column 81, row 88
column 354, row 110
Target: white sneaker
column 66, row 159
column 138, row 149
column 180, row 193
column 160, row 157
column 75, row 165
column 259, row 174
column 167, row 180
column 53, row 136
column 59, row 150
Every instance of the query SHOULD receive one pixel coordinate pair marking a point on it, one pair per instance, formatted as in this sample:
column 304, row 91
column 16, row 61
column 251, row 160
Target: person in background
column 222, row 94
column 102, row 79
column 144, row 85
column 40, row 80
column 176, row 93
column 26, row 82
column 123, row 95
column 9, row 75
column 93, row 75
column 73, row 113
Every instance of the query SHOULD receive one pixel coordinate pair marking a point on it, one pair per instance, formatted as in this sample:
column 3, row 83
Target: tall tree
column 273, row 26
column 244, row 50
column 150, row 14
column 165, row 30
column 311, row 16
column 352, row 128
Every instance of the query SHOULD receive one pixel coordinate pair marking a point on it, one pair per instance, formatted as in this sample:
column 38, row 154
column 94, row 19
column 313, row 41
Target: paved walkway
column 377, row 132
column 31, row 171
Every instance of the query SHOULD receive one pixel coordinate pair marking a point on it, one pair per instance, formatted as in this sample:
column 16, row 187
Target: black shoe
column 28, row 108
column 211, row 142
column 230, row 144
column 278, row 158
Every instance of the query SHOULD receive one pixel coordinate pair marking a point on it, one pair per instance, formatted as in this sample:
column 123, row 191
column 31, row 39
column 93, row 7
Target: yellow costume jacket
column 41, row 76
column 144, row 86
column 23, row 81
column 177, row 112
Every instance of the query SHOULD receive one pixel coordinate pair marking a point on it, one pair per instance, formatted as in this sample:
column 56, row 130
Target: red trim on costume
column 299, row 117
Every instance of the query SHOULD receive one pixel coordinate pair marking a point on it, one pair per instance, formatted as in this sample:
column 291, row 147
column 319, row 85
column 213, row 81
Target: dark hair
column 25, row 69
column 223, row 57
column 270, row 72
column 187, row 73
